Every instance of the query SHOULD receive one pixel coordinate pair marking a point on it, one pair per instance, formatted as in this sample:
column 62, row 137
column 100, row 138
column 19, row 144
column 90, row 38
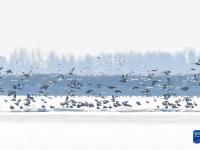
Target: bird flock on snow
column 94, row 99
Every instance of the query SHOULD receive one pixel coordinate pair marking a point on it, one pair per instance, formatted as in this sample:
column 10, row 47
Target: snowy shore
column 103, row 117
column 98, row 130
column 98, row 104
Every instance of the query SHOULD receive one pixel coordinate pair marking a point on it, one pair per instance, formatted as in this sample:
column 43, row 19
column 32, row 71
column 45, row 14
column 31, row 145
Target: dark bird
column 164, row 86
column 135, row 87
column 111, row 87
column 98, row 104
column 118, row 91
column 126, row 104
column 62, row 104
column 97, row 101
column 11, row 107
column 150, row 75
column 190, row 104
column 197, row 63
column 79, row 105
column 90, row 105
column 145, row 91
column 124, row 78
column 195, row 77
column 18, row 101
column 174, row 106
column 27, row 75
column 60, row 76
column 154, row 70
column 184, row 88
column 138, row 103
column 187, row 99
column 9, row 71
column 167, row 72
column 192, row 69
column 27, row 103
column 167, row 96
column 29, row 97
column 52, row 107
column 168, row 80
column 44, row 87
column 98, row 57
column 165, row 103
column 113, row 98
column 154, row 83
column 12, row 93
column 89, row 91
column 105, row 101
column 116, row 104
column 15, row 87
column 71, row 72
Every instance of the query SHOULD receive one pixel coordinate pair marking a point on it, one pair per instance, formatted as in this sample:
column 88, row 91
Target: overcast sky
column 86, row 26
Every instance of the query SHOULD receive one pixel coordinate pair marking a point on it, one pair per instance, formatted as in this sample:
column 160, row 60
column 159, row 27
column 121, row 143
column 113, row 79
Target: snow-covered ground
column 89, row 103
column 144, row 125
column 98, row 130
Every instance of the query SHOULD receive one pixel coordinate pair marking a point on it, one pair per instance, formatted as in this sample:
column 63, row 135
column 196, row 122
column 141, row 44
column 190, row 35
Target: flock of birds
column 43, row 102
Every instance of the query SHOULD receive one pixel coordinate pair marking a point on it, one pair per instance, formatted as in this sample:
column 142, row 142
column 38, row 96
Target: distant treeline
column 21, row 60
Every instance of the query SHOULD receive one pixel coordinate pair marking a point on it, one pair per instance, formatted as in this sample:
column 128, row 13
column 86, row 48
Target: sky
column 94, row 26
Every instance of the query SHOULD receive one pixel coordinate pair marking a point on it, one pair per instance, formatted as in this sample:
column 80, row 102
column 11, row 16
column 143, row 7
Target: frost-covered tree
column 21, row 60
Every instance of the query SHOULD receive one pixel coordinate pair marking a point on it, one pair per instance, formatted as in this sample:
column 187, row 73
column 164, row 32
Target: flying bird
column 71, row 72
column 9, row 71
column 197, row 63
